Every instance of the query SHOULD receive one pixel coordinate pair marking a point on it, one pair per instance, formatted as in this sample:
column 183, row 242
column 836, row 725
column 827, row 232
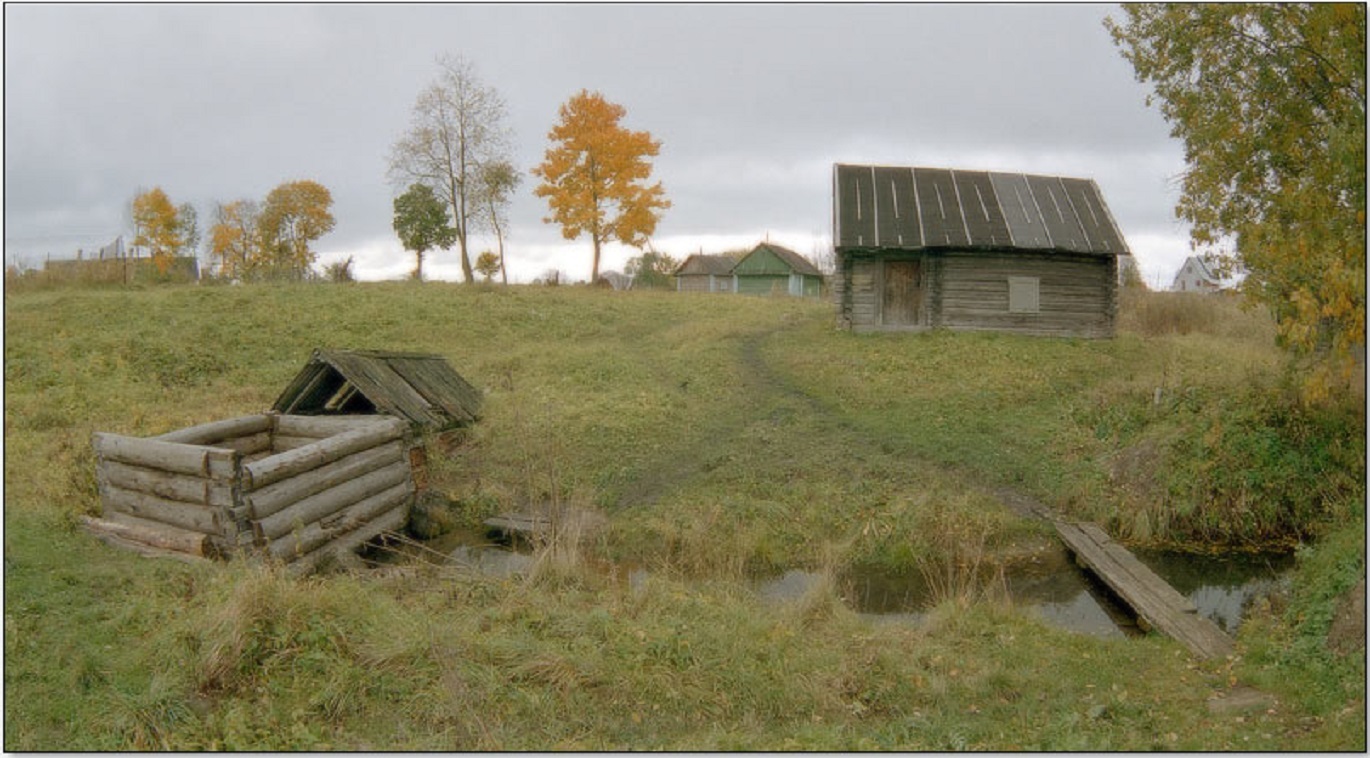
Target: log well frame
column 270, row 486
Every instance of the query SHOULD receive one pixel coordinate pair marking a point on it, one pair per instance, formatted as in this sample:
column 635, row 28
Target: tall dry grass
column 1228, row 315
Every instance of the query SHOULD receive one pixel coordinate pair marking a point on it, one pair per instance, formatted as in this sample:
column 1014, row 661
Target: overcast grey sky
column 753, row 105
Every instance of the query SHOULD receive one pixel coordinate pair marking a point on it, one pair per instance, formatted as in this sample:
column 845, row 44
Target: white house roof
column 1196, row 269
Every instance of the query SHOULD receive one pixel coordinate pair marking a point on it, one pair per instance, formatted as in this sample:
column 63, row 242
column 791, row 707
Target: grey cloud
column 753, row 103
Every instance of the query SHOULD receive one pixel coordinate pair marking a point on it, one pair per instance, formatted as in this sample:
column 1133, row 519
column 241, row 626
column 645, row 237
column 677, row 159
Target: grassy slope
column 719, row 435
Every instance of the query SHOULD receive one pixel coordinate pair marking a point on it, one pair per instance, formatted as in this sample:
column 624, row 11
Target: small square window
column 1024, row 294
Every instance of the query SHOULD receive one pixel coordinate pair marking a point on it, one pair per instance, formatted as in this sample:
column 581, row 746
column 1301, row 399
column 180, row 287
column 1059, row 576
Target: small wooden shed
column 922, row 248
column 705, row 273
column 770, row 269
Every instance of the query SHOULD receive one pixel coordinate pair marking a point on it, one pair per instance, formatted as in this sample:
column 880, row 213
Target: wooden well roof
column 913, row 208
column 421, row 388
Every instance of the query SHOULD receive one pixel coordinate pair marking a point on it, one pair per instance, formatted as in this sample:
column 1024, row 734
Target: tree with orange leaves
column 594, row 176
column 294, row 215
column 159, row 227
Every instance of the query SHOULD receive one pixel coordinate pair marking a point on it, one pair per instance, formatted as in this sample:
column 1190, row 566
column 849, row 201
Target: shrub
column 1252, row 466
column 339, row 271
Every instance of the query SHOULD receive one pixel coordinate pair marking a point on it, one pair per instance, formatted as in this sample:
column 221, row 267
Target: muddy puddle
column 1050, row 586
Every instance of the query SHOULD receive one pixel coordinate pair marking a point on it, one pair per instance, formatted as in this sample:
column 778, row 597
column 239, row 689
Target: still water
column 1062, row 594
column 1051, row 586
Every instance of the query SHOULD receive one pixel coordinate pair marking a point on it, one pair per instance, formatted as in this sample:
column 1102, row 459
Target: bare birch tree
column 456, row 129
column 500, row 179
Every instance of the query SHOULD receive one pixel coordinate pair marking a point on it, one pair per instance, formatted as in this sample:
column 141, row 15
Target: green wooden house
column 770, row 269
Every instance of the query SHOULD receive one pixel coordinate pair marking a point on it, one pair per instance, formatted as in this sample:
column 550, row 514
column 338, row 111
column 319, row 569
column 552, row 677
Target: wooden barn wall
column 1077, row 294
column 969, row 291
column 861, row 296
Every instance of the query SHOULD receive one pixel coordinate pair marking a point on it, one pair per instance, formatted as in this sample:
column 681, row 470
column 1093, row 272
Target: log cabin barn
column 337, row 462
column 770, row 269
column 705, row 273
column 928, row 248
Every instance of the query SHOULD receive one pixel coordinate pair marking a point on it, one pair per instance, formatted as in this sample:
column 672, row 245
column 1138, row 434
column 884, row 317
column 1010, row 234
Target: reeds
column 956, row 559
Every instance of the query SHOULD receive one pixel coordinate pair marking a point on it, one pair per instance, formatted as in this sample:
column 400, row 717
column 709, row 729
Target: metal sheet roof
column 915, row 207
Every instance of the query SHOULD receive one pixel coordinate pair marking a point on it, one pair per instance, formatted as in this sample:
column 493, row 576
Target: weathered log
column 249, row 445
column 165, row 484
column 389, row 521
column 274, row 497
column 325, row 503
column 215, row 431
column 162, row 536
column 198, row 518
column 261, row 473
column 319, row 427
column 298, row 542
column 283, row 443
column 180, row 458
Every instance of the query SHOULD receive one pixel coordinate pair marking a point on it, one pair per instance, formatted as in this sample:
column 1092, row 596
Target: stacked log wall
column 1076, row 293
column 350, row 482
column 969, row 291
column 175, row 492
column 289, row 488
column 862, row 296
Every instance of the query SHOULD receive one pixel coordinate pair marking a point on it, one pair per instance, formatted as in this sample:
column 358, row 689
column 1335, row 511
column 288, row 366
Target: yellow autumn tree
column 294, row 215
column 233, row 239
column 594, row 176
column 158, row 227
column 1269, row 101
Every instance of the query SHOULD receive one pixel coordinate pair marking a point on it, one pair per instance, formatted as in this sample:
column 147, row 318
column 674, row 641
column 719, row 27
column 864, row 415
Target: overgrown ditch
column 1046, row 582
column 1048, row 585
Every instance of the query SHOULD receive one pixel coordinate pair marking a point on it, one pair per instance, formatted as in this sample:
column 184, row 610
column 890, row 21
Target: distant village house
column 770, row 269
column 114, row 263
column 767, row 269
column 1195, row 276
column 705, row 273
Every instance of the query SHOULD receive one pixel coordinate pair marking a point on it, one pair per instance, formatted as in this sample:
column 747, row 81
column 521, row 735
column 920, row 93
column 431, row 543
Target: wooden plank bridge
column 1157, row 604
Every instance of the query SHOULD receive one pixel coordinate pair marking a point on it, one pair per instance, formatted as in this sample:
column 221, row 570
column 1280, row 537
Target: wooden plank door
column 902, row 304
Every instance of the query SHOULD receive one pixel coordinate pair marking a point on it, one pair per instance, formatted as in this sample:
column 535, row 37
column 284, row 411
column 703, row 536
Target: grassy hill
column 718, row 436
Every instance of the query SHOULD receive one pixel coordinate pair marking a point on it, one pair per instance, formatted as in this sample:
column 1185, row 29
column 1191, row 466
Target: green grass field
column 719, row 436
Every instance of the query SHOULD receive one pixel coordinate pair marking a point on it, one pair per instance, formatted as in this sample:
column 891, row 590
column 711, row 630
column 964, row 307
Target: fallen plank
column 519, row 523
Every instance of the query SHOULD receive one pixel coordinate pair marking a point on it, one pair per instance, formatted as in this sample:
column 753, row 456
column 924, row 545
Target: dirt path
column 764, row 392
column 760, row 387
